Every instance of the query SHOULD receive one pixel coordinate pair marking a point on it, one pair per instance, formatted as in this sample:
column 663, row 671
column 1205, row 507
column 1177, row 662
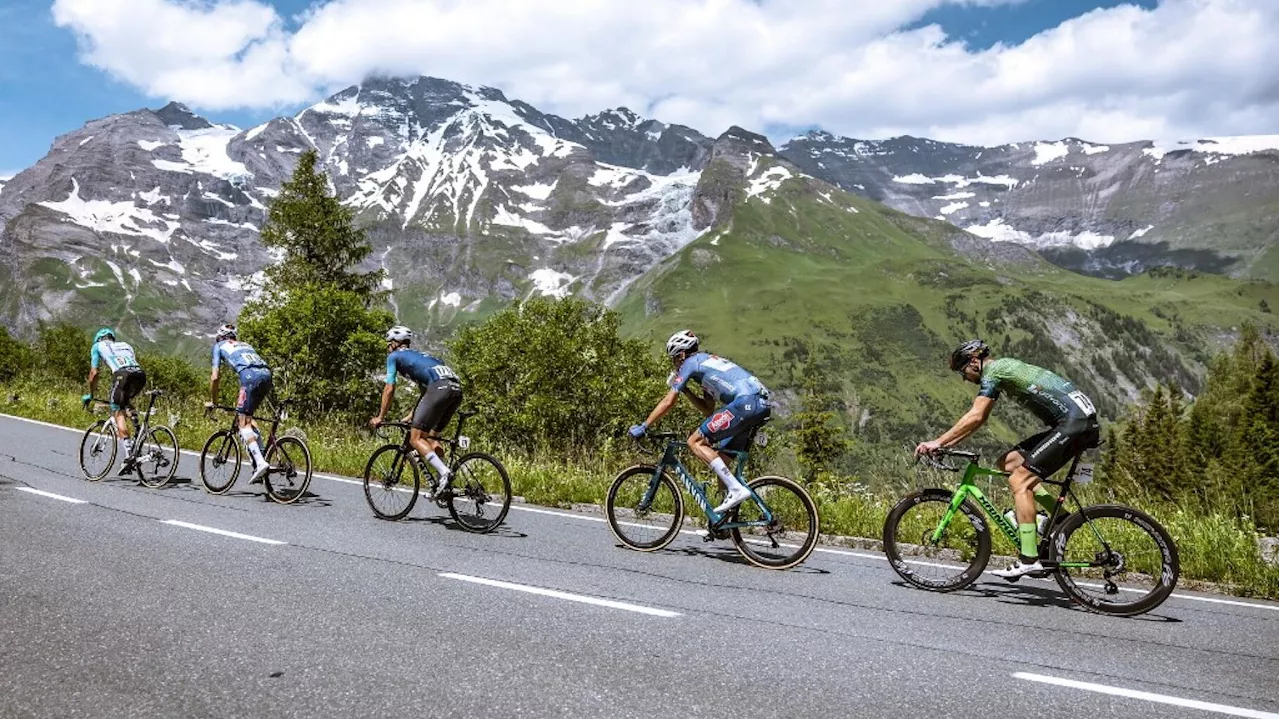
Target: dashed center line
column 51, row 495
column 581, row 598
column 1147, row 696
column 223, row 532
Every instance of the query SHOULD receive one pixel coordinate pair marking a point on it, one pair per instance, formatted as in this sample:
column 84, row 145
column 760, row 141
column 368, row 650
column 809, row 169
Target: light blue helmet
column 104, row 333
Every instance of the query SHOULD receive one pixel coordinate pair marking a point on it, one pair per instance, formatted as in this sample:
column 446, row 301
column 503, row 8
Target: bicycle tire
column 667, row 496
column 286, row 482
column 386, row 485
column 103, row 435
column 904, row 556
column 474, row 491
column 750, row 549
column 1164, row 577
column 222, row 456
column 162, row 446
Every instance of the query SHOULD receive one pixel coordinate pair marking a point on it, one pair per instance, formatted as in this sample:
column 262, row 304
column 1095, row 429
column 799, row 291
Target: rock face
column 1103, row 209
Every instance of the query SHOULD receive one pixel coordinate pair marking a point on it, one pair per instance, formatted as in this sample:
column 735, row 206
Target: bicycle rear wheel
column 1122, row 561
column 792, row 534
column 98, row 449
column 158, row 457
column 955, row 560
column 642, row 519
column 290, row 472
column 480, row 493
column 391, row 482
column 219, row 462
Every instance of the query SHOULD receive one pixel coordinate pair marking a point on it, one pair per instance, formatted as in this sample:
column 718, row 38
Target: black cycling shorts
column 1048, row 451
column 437, row 405
column 126, row 383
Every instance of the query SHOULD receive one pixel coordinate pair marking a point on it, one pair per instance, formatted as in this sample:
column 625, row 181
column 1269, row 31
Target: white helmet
column 225, row 332
column 682, row 341
column 399, row 333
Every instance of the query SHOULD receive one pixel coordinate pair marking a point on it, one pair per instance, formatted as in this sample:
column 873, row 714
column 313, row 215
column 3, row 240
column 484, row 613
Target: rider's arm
column 94, row 359
column 388, row 393
column 705, row 404
column 969, row 423
column 664, row 405
column 213, row 386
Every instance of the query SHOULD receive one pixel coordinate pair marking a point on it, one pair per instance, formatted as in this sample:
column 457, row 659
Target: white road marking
column 223, row 532
column 51, row 495
column 563, row 595
column 695, row 532
column 1147, row 696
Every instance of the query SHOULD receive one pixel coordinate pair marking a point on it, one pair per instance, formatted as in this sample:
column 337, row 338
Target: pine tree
column 1254, row 447
column 820, row 440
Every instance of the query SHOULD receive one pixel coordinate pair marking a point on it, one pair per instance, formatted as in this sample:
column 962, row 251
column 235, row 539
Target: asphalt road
column 121, row 603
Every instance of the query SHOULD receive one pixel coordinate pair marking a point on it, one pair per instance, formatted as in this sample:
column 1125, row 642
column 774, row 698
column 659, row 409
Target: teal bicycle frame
column 717, row 522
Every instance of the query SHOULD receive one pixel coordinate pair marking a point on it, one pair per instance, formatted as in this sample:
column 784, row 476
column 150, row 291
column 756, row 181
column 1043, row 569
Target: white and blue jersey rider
column 744, row 406
column 441, row 396
column 255, row 385
column 127, row 381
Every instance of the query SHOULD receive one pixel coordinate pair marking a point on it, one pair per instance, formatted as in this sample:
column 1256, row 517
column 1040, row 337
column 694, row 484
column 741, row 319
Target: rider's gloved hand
column 637, row 430
column 84, row 400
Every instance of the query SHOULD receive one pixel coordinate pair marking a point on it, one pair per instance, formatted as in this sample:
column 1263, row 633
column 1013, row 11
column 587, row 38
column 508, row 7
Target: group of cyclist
column 733, row 400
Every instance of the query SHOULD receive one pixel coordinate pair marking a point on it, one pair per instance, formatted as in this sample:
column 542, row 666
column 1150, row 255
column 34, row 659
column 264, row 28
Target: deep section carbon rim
column 792, row 534
column 1132, row 562
column 952, row 562
column 640, row 524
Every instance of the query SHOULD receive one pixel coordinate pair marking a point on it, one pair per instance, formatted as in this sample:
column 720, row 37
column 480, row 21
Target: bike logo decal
column 721, row 421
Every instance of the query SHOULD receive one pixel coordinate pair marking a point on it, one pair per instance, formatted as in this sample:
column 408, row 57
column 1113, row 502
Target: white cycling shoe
column 1019, row 569
column 258, row 472
column 736, row 496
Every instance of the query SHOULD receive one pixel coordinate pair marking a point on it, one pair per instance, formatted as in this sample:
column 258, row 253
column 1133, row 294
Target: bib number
column 443, row 372
column 251, row 358
column 1082, row 402
column 1084, row 474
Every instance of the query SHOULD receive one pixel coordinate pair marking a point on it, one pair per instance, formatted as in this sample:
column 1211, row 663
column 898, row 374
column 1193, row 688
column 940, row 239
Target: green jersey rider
column 127, row 380
column 1073, row 428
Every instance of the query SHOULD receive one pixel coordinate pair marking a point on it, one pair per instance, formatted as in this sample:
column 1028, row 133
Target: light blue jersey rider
column 716, row 374
column 255, row 376
column 116, row 355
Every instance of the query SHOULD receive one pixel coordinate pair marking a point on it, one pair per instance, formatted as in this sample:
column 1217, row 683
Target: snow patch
column 119, row 217
column 256, row 131
column 997, row 231
column 1049, row 151
column 374, row 141
column 149, row 145
column 205, row 151
column 1242, row 145
column 953, row 207
column 769, row 181
column 452, row 299
column 549, row 283
column 1091, row 149
column 1142, row 231
column 954, row 196
column 537, row 192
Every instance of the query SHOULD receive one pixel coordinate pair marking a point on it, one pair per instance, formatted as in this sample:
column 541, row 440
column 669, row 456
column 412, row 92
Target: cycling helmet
column 103, row 334
column 225, row 332
column 961, row 355
column 682, row 341
column 399, row 333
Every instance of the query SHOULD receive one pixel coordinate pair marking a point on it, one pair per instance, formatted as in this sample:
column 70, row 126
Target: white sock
column 730, row 482
column 251, row 443
column 438, row 463
column 127, row 443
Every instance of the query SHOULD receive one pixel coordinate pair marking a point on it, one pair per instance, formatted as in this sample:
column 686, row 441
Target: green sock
column 1027, row 533
column 1046, row 501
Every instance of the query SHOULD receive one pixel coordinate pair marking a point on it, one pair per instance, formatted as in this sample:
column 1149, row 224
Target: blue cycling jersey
column 726, row 380
column 417, row 366
column 239, row 355
column 116, row 355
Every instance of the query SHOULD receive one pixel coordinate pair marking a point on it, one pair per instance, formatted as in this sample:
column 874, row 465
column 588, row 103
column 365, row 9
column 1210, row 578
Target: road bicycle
column 777, row 528
column 1108, row 558
column 287, row 456
column 479, row 493
column 155, row 449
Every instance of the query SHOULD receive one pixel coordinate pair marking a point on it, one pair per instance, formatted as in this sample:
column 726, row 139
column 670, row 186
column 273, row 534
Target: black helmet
column 961, row 355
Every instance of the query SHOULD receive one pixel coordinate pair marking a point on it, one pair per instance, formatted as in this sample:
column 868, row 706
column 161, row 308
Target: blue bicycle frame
column 717, row 521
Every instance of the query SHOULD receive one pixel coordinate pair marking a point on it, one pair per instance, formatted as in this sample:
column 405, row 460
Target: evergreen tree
column 1254, row 445
column 820, row 440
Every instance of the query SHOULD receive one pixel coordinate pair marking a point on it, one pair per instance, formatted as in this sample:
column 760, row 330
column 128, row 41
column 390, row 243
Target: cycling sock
column 730, row 482
column 1047, row 502
column 127, row 443
column 251, row 443
column 1027, row 535
column 438, row 464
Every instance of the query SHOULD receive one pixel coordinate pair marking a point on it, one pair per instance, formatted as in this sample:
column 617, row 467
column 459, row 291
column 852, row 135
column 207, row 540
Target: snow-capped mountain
column 1105, row 209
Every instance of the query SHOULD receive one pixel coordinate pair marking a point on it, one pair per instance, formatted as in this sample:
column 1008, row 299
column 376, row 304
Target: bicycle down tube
column 669, row 459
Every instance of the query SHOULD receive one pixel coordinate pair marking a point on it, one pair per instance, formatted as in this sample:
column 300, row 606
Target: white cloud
column 1187, row 68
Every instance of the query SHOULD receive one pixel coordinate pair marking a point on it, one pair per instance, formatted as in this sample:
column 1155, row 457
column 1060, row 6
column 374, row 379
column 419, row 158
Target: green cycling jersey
column 1050, row 397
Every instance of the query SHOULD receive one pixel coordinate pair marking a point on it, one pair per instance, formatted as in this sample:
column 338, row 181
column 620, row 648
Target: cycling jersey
column 1050, row 397
column 116, row 355
column 420, row 367
column 240, row 356
column 717, row 375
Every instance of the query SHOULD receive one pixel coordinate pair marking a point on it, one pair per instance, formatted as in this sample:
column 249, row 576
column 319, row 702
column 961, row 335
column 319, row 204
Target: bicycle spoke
column 952, row 561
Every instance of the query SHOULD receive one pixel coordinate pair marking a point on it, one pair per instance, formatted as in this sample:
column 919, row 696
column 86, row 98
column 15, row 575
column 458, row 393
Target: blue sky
column 56, row 75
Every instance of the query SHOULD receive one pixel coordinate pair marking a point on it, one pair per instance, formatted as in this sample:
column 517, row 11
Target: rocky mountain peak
column 175, row 114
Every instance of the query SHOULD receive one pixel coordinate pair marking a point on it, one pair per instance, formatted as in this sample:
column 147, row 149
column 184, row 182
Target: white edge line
column 562, row 595
column 223, row 532
column 1147, row 696
column 585, row 518
column 51, row 495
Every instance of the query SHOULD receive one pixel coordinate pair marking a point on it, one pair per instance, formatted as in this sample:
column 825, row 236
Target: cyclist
column 441, row 396
column 255, row 385
column 746, row 407
column 1073, row 428
column 127, row 380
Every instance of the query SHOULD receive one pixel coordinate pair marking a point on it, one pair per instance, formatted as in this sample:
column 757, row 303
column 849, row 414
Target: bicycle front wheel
column 954, row 560
column 98, row 449
column 219, row 462
column 644, row 513
column 1114, row 559
column 480, row 493
column 158, row 457
column 786, row 535
column 290, row 470
column 391, row 482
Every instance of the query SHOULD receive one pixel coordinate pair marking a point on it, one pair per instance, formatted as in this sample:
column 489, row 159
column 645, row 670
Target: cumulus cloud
column 1185, row 69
